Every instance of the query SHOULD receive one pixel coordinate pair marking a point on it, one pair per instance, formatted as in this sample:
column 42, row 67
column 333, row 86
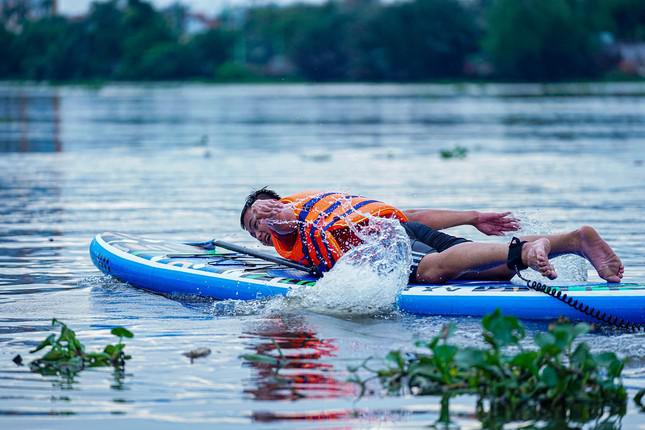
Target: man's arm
column 490, row 223
column 440, row 218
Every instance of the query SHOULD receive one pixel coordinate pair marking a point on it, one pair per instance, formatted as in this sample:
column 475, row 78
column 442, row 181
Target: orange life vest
column 319, row 216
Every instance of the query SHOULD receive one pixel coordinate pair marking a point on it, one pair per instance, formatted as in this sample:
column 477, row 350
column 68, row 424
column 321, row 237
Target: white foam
column 367, row 279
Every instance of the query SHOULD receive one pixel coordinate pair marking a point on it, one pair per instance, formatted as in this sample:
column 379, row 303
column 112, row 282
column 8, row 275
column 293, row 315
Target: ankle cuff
column 514, row 261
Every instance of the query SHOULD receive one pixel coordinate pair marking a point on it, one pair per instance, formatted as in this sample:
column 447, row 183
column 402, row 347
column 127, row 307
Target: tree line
column 342, row 40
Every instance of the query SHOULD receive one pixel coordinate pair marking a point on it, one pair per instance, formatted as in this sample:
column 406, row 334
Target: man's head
column 249, row 219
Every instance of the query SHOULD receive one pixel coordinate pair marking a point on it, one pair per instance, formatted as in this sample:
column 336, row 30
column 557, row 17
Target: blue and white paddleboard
column 178, row 269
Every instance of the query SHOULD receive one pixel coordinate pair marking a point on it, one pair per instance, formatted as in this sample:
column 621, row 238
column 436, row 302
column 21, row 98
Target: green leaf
column 114, row 350
column 109, row 349
column 96, row 355
column 563, row 334
column 548, row 344
column 98, row 359
column 638, row 399
column 396, row 357
column 470, row 357
column 544, row 339
column 122, row 332
column 549, row 376
column 615, row 369
column 504, row 330
column 445, row 353
column 67, row 356
column 260, row 358
column 56, row 322
column 581, row 355
column 605, row 359
column 66, row 333
column 433, row 342
column 75, row 345
column 526, row 360
column 55, row 355
column 569, row 382
column 580, row 329
column 50, row 340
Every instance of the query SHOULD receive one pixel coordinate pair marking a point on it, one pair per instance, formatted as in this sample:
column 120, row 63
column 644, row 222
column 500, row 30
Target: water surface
column 176, row 161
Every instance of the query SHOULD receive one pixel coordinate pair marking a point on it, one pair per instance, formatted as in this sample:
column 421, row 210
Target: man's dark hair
column 263, row 193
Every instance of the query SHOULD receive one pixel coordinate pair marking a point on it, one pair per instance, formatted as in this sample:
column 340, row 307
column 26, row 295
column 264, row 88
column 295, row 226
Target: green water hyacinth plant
column 458, row 152
column 67, row 355
column 556, row 377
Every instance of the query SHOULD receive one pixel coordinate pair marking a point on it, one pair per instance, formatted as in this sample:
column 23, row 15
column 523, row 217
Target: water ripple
column 176, row 161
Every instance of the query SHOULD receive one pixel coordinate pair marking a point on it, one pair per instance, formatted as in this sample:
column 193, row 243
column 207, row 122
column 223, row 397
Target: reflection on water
column 31, row 239
column 175, row 161
column 30, row 121
column 299, row 370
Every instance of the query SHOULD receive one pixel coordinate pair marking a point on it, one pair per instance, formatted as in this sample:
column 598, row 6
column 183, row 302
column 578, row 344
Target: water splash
column 570, row 268
column 237, row 308
column 366, row 279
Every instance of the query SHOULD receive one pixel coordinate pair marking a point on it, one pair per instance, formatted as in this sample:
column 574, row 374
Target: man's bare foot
column 535, row 254
column 600, row 255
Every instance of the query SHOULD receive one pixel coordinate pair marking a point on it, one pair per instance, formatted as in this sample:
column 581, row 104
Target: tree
column 8, row 65
column 319, row 45
column 105, row 32
column 211, row 49
column 626, row 18
column 422, row 39
column 51, row 48
column 540, row 40
column 167, row 61
column 144, row 28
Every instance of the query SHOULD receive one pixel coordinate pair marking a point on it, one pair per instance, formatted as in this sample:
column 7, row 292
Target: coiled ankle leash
column 515, row 263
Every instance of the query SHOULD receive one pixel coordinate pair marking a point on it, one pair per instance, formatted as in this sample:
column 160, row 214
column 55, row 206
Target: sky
column 78, row 7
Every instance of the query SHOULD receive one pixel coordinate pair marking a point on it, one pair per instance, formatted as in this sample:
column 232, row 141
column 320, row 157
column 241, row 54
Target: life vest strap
column 302, row 217
column 348, row 212
column 312, row 227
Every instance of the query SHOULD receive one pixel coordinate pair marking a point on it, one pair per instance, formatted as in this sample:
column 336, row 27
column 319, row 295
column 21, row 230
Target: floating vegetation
column 458, row 152
column 558, row 379
column 638, row 399
column 67, row 355
column 196, row 353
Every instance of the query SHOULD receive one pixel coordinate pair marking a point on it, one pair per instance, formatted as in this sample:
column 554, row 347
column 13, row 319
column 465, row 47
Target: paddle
column 211, row 244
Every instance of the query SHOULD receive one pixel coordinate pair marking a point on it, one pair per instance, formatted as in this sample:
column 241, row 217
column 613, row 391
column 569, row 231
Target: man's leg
column 468, row 257
column 565, row 243
column 488, row 260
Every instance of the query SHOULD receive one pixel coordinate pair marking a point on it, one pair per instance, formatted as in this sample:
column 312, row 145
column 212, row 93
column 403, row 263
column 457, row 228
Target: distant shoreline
column 292, row 81
column 596, row 87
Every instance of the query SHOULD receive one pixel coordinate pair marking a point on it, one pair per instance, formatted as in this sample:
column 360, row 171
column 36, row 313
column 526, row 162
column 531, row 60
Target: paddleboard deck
column 178, row 269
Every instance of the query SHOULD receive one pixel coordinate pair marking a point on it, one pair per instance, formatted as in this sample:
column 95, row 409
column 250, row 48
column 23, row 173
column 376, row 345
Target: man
column 315, row 229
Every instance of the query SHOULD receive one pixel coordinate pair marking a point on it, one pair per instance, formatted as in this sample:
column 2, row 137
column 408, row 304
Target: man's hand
column 496, row 223
column 267, row 208
column 277, row 216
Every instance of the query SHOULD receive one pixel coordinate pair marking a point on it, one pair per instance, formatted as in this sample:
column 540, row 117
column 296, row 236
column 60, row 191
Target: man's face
column 255, row 223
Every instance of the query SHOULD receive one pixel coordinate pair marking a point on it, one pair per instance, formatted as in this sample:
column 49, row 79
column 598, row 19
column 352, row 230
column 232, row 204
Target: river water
column 176, row 161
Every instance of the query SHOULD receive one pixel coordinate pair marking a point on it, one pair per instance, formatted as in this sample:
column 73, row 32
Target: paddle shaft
column 264, row 256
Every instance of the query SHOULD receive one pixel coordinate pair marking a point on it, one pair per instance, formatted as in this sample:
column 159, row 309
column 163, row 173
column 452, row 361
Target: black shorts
column 425, row 240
